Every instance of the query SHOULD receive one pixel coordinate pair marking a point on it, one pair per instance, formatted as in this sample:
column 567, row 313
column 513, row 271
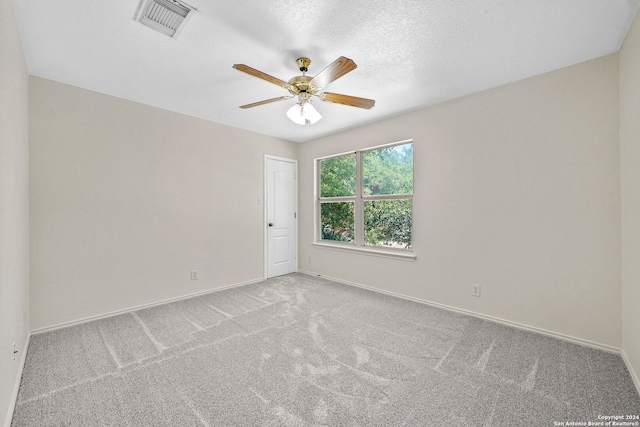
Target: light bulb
column 303, row 114
column 310, row 114
column 295, row 114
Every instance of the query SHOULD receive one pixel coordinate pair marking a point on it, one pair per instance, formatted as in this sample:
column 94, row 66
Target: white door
column 281, row 222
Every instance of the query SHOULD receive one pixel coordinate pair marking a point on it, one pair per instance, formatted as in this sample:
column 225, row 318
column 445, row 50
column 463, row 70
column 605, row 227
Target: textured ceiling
column 410, row 53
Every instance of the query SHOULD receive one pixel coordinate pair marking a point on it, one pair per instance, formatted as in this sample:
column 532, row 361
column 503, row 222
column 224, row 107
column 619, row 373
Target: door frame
column 265, row 227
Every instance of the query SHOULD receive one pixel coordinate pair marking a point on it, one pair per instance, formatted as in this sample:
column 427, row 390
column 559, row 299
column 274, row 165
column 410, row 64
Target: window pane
column 388, row 223
column 337, row 221
column 388, row 170
column 338, row 176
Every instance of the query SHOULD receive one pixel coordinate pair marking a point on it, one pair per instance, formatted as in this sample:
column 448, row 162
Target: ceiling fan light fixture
column 303, row 114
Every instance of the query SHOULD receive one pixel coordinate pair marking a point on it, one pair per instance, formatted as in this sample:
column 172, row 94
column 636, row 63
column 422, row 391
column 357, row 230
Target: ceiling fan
column 304, row 87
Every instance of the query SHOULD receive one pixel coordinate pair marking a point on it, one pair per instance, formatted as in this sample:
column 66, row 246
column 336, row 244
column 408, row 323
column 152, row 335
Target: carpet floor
column 299, row 350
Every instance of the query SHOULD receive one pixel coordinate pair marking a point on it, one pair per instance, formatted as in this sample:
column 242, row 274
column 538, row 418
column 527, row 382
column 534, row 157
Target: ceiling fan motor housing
column 301, row 83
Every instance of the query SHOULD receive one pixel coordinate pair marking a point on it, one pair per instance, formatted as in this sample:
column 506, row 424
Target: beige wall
column 516, row 189
column 630, row 190
column 127, row 199
column 14, row 206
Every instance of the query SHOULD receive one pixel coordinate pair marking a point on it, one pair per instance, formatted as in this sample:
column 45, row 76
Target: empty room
column 319, row 213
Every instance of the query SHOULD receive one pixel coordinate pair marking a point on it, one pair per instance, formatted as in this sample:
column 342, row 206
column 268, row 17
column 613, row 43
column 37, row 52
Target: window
column 365, row 198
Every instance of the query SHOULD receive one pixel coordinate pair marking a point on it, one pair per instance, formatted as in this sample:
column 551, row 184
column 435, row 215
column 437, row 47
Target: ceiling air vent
column 165, row 16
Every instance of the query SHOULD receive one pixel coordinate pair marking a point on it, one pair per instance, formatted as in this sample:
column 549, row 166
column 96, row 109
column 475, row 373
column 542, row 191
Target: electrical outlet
column 194, row 274
column 475, row 290
column 309, row 259
column 13, row 349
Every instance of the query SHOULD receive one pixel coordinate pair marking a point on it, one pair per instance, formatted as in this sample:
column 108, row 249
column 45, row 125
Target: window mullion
column 359, row 205
column 388, row 197
column 337, row 199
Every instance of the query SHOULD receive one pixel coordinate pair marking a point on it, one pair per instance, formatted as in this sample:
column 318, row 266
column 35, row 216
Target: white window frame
column 359, row 245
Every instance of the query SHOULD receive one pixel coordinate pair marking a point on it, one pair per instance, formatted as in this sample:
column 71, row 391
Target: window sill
column 405, row 256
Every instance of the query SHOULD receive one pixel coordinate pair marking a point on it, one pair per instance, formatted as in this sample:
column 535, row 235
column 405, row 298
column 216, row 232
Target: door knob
column 270, row 224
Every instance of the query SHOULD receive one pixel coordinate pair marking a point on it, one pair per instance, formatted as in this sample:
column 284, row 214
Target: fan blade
column 266, row 101
column 333, row 71
column 264, row 76
column 352, row 101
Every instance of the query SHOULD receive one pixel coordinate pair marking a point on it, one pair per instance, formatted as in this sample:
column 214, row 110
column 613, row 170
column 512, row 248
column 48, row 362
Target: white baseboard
column 16, row 384
column 541, row 331
column 130, row 309
column 632, row 372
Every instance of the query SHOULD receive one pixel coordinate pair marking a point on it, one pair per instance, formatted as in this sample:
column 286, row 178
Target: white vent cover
column 165, row 16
